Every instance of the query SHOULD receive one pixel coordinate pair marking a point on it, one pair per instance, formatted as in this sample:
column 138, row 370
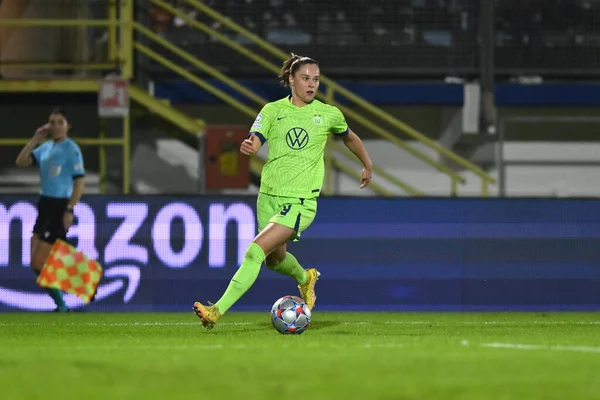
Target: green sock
column 243, row 278
column 290, row 267
column 57, row 296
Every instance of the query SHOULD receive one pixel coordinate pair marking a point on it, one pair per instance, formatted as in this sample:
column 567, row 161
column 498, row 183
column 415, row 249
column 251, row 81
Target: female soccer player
column 296, row 128
column 62, row 182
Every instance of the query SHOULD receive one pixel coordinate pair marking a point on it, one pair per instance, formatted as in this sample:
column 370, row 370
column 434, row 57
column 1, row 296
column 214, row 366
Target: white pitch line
column 125, row 324
column 367, row 346
column 352, row 323
column 520, row 346
column 482, row 323
column 149, row 347
column 525, row 322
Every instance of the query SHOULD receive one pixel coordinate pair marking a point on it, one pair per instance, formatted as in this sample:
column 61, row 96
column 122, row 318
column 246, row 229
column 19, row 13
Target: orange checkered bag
column 70, row 271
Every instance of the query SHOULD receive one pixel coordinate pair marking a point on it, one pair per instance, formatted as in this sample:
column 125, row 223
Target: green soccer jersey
column 296, row 137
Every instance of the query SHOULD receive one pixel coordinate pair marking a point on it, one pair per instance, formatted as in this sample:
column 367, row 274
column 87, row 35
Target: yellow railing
column 101, row 142
column 334, row 88
column 121, row 46
column 377, row 170
column 251, row 112
column 243, row 90
column 66, row 66
column 191, row 77
column 120, row 56
column 124, row 60
column 57, row 23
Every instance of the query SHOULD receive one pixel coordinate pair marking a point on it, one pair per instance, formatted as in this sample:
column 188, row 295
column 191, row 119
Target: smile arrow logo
column 128, row 276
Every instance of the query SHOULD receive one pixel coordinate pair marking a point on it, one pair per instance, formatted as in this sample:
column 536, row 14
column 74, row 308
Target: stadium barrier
column 162, row 253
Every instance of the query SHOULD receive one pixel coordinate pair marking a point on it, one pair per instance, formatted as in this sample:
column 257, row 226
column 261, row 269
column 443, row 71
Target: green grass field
column 341, row 356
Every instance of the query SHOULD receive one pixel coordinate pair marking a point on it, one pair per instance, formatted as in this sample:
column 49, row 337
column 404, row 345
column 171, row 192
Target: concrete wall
column 40, row 44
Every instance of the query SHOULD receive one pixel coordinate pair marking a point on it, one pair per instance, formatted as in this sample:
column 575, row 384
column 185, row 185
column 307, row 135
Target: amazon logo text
column 124, row 236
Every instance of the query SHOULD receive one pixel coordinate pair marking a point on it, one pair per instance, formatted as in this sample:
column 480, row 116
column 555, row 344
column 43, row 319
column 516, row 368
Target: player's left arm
column 356, row 146
column 352, row 141
column 78, row 174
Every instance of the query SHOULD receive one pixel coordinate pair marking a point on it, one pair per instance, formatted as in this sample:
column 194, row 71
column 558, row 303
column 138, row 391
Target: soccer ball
column 290, row 315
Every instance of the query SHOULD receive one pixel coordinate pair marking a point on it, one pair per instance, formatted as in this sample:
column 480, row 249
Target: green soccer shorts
column 292, row 212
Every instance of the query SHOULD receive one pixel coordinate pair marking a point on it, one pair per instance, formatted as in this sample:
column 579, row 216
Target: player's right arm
column 259, row 132
column 251, row 145
column 28, row 156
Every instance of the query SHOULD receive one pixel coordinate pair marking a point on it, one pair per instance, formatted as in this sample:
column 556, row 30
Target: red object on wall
column 226, row 167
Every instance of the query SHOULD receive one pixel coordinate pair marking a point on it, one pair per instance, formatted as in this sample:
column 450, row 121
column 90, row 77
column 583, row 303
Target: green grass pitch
column 341, row 356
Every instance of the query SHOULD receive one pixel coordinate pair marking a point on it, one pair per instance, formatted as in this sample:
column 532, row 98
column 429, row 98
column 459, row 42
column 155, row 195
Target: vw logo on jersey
column 296, row 138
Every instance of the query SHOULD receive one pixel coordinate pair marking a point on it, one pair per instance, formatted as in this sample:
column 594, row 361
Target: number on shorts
column 286, row 209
